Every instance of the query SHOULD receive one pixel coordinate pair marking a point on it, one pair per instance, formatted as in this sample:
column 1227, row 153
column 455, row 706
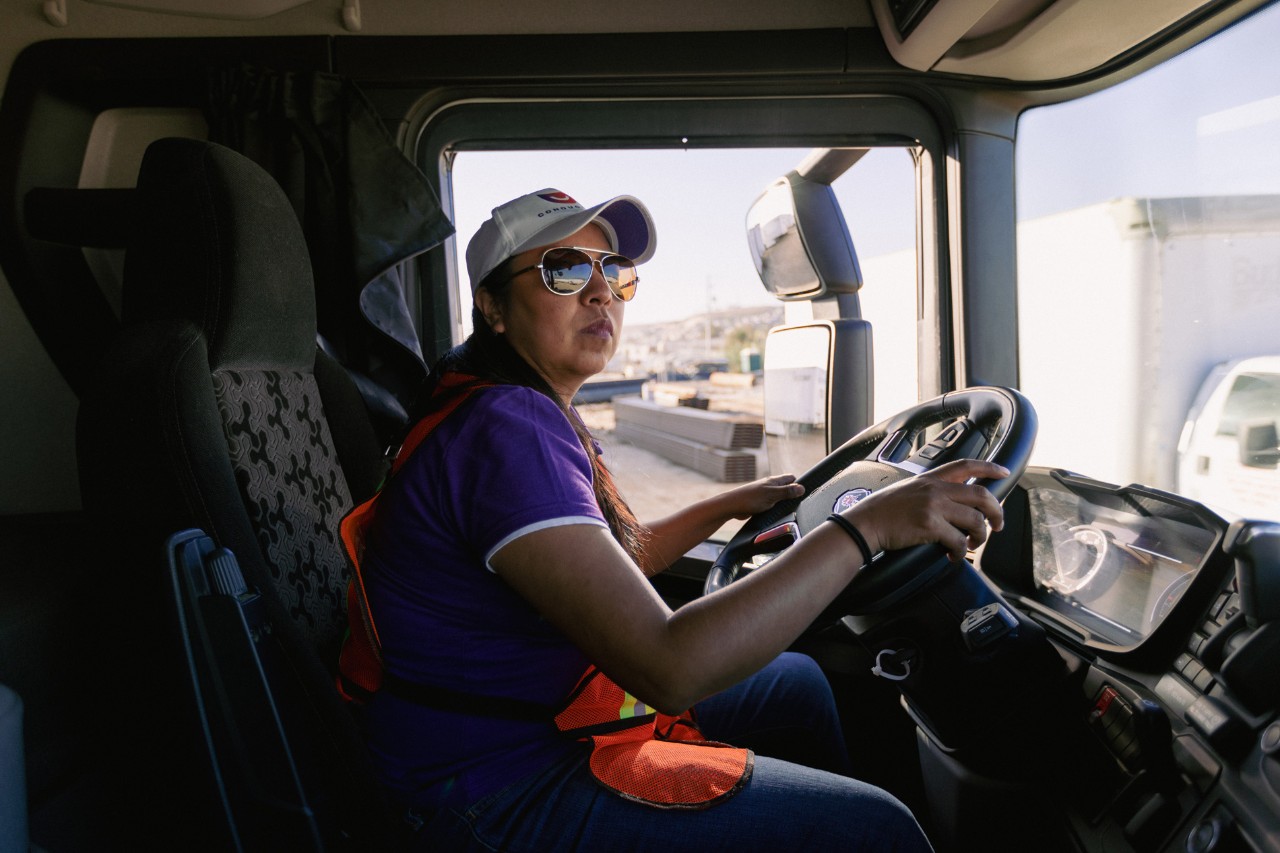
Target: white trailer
column 1124, row 309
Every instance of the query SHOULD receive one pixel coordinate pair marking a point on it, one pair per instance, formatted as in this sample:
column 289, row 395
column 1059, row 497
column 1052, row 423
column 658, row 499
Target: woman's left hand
column 752, row 498
column 673, row 536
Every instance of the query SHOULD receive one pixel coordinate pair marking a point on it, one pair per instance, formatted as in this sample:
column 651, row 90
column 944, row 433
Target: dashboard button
column 1204, row 836
column 1207, row 716
column 1271, row 739
column 1221, row 728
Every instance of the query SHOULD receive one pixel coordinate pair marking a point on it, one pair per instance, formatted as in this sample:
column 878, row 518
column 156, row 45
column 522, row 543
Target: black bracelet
column 847, row 526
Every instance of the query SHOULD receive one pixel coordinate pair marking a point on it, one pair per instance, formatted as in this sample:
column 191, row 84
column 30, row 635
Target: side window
column 1148, row 233
column 694, row 335
column 1252, row 397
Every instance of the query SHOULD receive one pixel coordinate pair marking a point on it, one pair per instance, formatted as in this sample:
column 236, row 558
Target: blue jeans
column 785, row 807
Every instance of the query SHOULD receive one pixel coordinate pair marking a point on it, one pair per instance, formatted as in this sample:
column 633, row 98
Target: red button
column 1104, row 702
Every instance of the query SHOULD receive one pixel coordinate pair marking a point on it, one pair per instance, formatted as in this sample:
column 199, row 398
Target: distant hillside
column 681, row 346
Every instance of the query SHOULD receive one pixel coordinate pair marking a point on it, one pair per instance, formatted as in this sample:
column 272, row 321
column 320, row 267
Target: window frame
column 437, row 128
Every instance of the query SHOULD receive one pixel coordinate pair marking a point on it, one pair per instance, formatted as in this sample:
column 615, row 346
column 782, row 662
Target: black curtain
column 364, row 208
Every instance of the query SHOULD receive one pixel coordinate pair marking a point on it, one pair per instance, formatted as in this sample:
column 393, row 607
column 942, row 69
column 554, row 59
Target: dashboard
column 1106, row 671
column 1168, row 617
column 1113, row 561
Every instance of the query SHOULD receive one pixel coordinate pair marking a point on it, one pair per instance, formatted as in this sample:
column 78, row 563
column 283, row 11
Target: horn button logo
column 849, row 498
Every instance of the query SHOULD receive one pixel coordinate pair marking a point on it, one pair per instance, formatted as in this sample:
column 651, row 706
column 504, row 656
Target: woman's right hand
column 938, row 506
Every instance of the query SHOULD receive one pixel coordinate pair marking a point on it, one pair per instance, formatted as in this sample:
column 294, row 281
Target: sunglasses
column 566, row 270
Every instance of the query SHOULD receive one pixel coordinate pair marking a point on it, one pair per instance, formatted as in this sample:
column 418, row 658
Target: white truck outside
column 1228, row 453
column 1116, row 322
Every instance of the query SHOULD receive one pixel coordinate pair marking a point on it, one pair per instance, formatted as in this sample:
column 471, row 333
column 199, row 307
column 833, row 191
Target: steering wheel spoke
column 782, row 535
column 991, row 423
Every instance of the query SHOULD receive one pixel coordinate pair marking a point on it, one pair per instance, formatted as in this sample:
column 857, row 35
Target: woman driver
column 521, row 637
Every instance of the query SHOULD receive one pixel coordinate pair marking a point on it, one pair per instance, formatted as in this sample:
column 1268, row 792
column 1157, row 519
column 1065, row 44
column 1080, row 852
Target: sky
column 1205, row 123
column 699, row 201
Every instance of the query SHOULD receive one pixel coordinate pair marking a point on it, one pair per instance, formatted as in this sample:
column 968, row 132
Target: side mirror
column 818, row 388
column 799, row 241
column 1259, row 444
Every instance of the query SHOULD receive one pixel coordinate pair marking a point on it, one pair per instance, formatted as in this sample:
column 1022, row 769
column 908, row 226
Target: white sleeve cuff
column 540, row 525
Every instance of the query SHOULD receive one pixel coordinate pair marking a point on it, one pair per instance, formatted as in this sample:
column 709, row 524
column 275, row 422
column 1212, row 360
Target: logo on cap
column 557, row 198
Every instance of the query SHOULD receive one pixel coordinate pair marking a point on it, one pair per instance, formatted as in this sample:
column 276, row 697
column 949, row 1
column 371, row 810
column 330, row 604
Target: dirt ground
column 653, row 486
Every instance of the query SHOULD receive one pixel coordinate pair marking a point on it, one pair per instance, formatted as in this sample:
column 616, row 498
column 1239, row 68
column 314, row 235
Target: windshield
column 694, row 335
column 1149, row 270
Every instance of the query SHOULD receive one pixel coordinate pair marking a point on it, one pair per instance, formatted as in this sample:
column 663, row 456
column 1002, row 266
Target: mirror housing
column 800, row 242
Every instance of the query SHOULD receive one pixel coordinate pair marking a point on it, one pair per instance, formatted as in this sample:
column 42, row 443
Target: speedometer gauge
column 1114, row 560
column 1164, row 604
column 1078, row 561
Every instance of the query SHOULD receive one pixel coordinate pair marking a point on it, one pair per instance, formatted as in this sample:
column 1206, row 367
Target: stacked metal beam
column 717, row 429
column 711, row 443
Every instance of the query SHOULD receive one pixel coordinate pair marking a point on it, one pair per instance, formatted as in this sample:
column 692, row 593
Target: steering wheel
column 985, row 422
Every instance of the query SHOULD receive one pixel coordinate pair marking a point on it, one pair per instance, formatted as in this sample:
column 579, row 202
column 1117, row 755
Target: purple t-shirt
column 505, row 463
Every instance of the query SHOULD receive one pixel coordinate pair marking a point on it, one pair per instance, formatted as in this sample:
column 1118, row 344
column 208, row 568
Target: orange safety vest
column 636, row 752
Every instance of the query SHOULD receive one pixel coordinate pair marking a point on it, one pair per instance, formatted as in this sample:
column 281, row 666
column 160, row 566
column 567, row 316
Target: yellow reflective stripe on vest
column 632, row 707
column 648, row 757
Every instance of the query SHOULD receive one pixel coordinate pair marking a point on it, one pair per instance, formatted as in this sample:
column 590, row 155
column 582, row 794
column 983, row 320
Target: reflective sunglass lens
column 569, row 280
column 568, row 271
column 621, row 275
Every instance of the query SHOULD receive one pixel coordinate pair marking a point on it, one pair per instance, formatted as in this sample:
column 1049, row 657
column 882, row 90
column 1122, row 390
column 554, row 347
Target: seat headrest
column 217, row 242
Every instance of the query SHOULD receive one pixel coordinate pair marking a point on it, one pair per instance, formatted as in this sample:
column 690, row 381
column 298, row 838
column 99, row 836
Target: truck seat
column 215, row 410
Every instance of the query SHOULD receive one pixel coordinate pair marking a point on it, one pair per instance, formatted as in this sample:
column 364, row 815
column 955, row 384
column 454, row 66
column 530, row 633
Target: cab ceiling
column 1015, row 40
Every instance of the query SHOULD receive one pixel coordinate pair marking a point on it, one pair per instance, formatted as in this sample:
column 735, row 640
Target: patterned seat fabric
column 294, row 489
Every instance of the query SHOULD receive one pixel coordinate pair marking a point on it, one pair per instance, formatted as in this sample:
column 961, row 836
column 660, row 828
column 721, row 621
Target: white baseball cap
column 546, row 216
